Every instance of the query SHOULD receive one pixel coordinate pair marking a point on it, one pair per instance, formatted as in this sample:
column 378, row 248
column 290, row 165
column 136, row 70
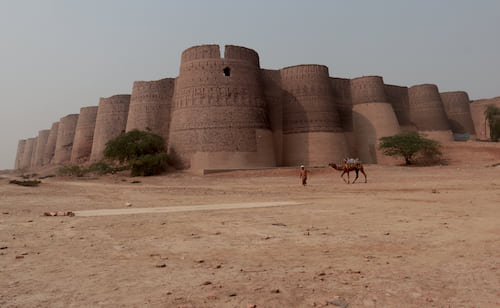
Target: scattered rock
column 4, row 247
column 231, row 294
column 135, row 182
column 275, row 291
column 219, row 266
column 340, row 302
column 206, row 283
column 200, row 261
column 19, row 257
column 161, row 265
column 5, row 213
column 279, row 224
column 322, row 274
column 251, row 306
column 128, row 204
column 212, row 297
column 387, row 233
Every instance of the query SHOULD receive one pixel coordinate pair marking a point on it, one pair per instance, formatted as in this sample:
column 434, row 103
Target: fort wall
column 111, row 121
column 19, row 154
column 218, row 107
column 65, row 137
column 427, row 112
column 27, row 153
column 39, row 151
column 32, row 162
column 84, row 135
column 50, row 146
column 456, row 105
column 150, row 106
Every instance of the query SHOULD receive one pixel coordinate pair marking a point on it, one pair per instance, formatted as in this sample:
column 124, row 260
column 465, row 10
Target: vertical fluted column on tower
column 218, row 117
column 65, row 138
column 427, row 112
column 312, row 131
column 111, row 121
column 84, row 135
column 373, row 117
column 50, row 146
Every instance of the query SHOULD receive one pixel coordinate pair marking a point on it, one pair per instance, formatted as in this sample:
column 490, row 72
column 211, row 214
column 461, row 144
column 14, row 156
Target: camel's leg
column 363, row 171
column 342, row 176
column 357, row 175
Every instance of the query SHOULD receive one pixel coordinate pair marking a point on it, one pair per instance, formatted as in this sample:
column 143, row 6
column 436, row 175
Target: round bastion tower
column 427, row 112
column 27, row 153
column 50, row 146
column 84, row 135
column 111, row 120
column 373, row 117
column 65, row 137
column 39, row 151
column 150, row 106
column 218, row 116
column 456, row 106
column 20, row 150
column 312, row 131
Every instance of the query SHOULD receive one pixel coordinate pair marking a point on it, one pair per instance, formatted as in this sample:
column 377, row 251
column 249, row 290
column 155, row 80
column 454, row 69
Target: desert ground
column 410, row 237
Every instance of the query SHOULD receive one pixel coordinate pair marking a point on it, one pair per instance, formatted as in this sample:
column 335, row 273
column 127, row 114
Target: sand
column 410, row 237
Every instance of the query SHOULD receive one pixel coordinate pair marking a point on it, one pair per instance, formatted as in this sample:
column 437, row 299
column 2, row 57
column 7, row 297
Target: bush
column 492, row 115
column 101, row 168
column 407, row 145
column 149, row 164
column 71, row 170
column 142, row 151
column 133, row 144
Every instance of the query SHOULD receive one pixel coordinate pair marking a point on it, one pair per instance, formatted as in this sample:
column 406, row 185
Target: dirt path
column 185, row 208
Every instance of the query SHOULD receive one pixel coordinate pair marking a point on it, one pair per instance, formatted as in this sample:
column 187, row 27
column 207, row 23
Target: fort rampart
column 225, row 111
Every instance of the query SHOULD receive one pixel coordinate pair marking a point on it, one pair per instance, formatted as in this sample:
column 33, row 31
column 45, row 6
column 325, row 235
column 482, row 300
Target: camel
column 346, row 168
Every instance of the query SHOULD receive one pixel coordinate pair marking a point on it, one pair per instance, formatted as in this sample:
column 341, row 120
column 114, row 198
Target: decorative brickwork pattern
column 426, row 109
column 150, row 106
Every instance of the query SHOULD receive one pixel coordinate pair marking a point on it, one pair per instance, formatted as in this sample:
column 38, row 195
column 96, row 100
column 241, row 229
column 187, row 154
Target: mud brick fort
column 225, row 111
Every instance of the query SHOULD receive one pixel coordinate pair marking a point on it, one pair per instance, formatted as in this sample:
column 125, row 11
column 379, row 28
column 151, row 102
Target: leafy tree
column 407, row 145
column 492, row 115
column 142, row 151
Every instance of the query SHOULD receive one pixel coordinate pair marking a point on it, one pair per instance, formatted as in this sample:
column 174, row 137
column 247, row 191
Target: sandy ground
column 410, row 237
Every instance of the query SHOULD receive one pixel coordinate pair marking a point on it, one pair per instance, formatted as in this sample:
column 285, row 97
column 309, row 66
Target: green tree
column 407, row 145
column 142, row 151
column 492, row 115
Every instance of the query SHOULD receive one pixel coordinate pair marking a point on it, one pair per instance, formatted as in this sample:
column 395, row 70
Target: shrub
column 29, row 183
column 71, row 170
column 407, row 145
column 101, row 168
column 149, row 164
column 492, row 115
column 142, row 151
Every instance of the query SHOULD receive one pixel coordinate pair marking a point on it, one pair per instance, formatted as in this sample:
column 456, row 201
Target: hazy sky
column 59, row 56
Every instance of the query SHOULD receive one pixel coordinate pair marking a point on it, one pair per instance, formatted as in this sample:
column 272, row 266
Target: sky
column 57, row 56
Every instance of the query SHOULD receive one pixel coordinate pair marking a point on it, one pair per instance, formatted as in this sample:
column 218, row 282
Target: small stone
column 128, row 204
column 212, row 297
column 161, row 265
column 251, row 306
column 200, row 261
column 340, row 302
column 231, row 294
column 206, row 283
column 19, row 257
column 4, row 247
column 219, row 266
column 322, row 274
column 275, row 291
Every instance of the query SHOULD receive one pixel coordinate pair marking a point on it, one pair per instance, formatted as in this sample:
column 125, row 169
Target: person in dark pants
column 303, row 174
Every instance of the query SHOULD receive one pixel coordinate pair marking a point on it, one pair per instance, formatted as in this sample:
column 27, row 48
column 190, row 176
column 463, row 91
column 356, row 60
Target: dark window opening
column 227, row 71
